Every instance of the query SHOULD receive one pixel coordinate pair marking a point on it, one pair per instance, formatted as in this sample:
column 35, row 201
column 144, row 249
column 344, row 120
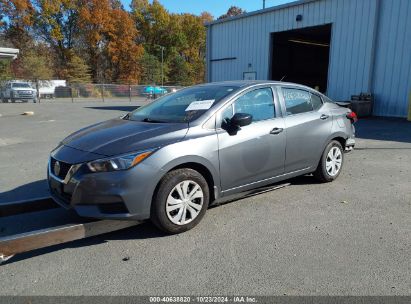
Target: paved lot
column 26, row 141
column 350, row 237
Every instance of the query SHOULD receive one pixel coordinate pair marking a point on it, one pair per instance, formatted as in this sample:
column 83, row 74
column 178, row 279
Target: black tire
column 159, row 215
column 321, row 172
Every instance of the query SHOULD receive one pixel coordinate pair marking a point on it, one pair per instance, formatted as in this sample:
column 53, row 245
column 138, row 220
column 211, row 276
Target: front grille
column 24, row 94
column 64, row 168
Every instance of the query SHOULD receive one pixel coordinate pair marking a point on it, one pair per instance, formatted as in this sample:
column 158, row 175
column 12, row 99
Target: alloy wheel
column 333, row 162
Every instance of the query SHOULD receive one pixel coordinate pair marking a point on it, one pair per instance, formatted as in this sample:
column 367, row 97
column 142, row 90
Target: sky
column 215, row 7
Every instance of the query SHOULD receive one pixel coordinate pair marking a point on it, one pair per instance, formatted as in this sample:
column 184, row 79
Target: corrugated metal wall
column 355, row 35
column 392, row 71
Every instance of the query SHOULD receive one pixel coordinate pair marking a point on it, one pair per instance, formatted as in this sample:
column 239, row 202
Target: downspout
column 377, row 17
column 208, row 54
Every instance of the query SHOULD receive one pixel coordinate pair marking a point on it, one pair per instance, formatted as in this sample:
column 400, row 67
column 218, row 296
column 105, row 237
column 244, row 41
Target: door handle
column 324, row 116
column 276, row 131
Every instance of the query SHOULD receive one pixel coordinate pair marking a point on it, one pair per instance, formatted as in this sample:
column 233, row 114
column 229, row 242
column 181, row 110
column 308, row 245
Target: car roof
column 249, row 83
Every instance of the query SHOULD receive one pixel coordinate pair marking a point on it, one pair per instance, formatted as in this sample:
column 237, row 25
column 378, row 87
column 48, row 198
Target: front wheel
column 331, row 162
column 180, row 202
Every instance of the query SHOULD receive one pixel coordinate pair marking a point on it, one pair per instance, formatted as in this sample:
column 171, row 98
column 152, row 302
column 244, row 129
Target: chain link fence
column 108, row 92
column 58, row 91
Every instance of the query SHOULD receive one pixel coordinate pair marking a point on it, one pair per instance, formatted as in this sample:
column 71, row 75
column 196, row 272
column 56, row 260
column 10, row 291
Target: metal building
column 8, row 53
column 342, row 47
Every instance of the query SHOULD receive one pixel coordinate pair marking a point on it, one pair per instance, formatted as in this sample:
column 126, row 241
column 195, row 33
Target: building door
column 302, row 56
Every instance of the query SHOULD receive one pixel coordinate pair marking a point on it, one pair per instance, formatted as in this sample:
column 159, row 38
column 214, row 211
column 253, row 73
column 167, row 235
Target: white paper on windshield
column 200, row 105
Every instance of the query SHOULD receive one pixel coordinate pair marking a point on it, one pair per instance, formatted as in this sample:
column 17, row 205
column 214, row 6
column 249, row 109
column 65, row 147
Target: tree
column 17, row 21
column 20, row 13
column 78, row 38
column 123, row 52
column 110, row 36
column 56, row 24
column 35, row 66
column 179, row 70
column 5, row 70
column 150, row 69
column 232, row 11
column 77, row 70
column 140, row 14
column 206, row 17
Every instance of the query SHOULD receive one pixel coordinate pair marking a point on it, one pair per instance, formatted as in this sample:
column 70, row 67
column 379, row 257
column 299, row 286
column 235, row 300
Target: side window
column 259, row 103
column 316, row 101
column 300, row 101
column 297, row 101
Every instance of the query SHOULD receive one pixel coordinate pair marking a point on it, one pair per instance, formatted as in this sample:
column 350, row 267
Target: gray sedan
column 169, row 160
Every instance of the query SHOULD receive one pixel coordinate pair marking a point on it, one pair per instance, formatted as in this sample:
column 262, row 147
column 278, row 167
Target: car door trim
column 266, row 179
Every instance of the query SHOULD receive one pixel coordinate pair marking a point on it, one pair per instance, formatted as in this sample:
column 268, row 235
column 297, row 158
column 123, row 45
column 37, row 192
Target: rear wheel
column 331, row 162
column 180, row 202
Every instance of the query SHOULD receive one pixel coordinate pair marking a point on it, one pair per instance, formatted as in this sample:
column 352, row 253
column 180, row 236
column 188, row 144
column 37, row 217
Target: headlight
column 117, row 163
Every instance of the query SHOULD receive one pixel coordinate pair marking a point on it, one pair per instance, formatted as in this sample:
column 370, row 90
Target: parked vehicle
column 18, row 90
column 153, row 91
column 47, row 88
column 169, row 160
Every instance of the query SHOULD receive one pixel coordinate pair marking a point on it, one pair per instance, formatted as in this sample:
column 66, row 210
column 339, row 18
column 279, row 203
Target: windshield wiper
column 151, row 120
column 126, row 117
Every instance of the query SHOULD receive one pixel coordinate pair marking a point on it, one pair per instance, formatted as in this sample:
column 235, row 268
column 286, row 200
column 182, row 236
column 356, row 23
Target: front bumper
column 105, row 195
column 24, row 96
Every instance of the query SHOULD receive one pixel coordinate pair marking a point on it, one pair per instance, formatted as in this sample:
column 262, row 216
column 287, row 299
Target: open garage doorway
column 302, row 56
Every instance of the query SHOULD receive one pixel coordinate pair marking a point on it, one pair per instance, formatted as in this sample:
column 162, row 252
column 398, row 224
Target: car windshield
column 183, row 106
column 21, row 85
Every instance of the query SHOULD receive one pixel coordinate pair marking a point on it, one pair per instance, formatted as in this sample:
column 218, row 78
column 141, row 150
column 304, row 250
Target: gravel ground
column 349, row 237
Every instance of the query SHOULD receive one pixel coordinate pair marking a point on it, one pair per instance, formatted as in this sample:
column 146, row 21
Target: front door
column 257, row 151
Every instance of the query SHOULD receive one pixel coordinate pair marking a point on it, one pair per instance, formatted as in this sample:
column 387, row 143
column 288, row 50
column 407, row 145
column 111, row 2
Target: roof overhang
column 261, row 11
column 8, row 53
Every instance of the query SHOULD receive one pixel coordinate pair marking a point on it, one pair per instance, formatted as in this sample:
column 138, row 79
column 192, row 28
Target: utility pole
column 263, row 4
column 162, row 65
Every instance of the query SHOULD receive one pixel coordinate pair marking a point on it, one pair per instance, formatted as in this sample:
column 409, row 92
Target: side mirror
column 241, row 119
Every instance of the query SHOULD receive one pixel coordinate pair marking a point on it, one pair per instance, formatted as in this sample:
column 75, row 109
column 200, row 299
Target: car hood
column 118, row 136
column 23, row 89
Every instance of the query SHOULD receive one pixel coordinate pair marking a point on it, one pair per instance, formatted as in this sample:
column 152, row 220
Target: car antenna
column 283, row 77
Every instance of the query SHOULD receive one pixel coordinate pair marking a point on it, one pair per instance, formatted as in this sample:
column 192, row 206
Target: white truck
column 18, row 90
column 48, row 87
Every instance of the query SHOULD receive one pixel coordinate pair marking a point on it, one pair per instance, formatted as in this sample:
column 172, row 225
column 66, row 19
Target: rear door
column 257, row 151
column 308, row 127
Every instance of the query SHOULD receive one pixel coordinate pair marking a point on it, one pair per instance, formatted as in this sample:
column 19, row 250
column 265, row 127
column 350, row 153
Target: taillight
column 352, row 116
